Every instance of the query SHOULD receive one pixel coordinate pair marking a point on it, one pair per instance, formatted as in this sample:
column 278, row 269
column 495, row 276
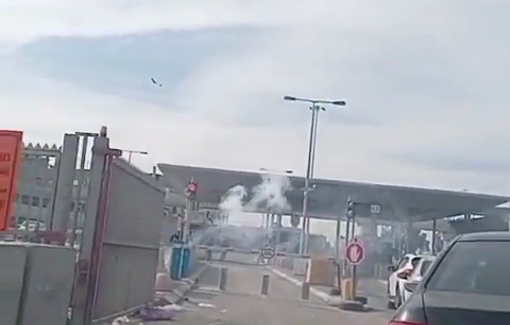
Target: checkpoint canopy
column 328, row 199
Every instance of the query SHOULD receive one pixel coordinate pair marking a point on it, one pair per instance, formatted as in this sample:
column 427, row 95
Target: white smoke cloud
column 268, row 196
column 231, row 205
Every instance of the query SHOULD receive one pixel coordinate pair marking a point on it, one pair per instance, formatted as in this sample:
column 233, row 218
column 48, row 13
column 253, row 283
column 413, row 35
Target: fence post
column 305, row 291
column 223, row 278
column 264, row 289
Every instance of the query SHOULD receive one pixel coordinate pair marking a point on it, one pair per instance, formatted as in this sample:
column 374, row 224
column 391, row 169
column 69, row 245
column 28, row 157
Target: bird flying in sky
column 155, row 82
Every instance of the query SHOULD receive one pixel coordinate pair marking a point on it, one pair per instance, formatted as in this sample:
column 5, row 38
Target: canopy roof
column 329, row 197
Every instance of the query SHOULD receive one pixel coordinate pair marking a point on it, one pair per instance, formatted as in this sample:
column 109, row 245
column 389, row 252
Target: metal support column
column 81, row 311
column 310, row 162
column 78, row 210
column 434, row 236
column 338, row 267
column 65, row 179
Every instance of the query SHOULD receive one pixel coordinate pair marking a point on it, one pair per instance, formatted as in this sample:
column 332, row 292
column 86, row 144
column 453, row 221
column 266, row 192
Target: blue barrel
column 175, row 260
column 181, row 257
column 186, row 265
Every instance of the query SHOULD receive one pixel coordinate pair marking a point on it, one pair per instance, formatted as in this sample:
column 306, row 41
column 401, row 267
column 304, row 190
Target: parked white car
column 400, row 273
column 416, row 276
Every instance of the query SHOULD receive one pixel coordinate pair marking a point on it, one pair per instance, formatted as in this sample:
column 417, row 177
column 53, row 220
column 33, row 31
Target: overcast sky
column 426, row 83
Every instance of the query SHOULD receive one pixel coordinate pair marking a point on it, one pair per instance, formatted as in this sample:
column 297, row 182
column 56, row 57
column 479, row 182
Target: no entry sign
column 268, row 252
column 354, row 253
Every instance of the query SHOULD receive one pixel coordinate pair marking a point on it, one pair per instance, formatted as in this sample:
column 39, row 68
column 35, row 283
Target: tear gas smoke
column 268, row 196
column 231, row 204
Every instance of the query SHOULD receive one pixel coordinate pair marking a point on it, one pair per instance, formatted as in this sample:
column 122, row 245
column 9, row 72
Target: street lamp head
column 339, row 102
column 289, row 98
column 144, row 153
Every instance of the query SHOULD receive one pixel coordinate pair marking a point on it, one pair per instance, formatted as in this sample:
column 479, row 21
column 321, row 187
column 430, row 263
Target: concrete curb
column 349, row 305
column 330, row 300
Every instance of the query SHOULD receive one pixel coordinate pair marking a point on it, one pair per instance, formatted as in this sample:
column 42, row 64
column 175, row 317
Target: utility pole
column 191, row 192
column 351, row 225
column 315, row 108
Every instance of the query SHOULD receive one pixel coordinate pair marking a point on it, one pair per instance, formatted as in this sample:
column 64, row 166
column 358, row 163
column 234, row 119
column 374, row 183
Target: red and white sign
column 192, row 187
column 354, row 253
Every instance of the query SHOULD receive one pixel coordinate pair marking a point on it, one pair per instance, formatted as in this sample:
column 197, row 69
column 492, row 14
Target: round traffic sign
column 268, row 252
column 354, row 253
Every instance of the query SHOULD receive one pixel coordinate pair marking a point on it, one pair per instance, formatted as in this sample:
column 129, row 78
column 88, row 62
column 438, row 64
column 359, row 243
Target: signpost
column 354, row 255
column 10, row 165
column 268, row 252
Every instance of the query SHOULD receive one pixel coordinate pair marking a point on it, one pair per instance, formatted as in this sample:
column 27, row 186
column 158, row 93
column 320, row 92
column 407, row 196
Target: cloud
column 425, row 83
column 123, row 65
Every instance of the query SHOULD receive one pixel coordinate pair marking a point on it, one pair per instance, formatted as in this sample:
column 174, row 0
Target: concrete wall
column 32, row 289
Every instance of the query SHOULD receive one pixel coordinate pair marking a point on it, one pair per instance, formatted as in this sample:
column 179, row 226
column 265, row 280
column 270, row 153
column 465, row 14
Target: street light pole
column 131, row 152
column 315, row 108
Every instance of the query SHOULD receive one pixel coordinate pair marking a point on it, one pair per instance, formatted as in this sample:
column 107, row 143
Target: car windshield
column 474, row 267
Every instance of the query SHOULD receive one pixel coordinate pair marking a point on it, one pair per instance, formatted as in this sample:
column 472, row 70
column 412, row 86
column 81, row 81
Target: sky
column 426, row 83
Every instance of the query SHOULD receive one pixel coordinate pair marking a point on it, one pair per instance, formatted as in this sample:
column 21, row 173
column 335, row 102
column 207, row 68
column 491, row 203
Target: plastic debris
column 121, row 321
column 155, row 313
column 206, row 305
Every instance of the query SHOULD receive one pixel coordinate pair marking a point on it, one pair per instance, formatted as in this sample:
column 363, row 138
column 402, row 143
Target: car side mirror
column 411, row 285
column 392, row 268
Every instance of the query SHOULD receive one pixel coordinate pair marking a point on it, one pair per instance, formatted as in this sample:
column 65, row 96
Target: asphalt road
column 243, row 304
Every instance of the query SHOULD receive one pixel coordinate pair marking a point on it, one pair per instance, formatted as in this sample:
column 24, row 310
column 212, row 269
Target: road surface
column 242, row 303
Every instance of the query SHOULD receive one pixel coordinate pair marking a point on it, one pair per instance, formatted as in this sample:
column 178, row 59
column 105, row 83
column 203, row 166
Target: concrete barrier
column 300, row 266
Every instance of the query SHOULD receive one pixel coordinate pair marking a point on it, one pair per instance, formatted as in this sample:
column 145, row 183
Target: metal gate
column 131, row 237
column 121, row 238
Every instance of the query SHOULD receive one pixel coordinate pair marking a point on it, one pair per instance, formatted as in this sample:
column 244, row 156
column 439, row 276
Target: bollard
column 223, row 278
column 348, row 289
column 264, row 289
column 305, row 291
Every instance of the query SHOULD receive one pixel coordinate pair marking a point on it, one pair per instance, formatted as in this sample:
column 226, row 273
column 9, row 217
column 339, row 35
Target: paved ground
column 242, row 303
column 373, row 289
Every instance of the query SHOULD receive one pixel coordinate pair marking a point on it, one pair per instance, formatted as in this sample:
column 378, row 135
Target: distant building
column 37, row 186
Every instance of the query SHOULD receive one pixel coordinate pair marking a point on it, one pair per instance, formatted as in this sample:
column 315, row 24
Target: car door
column 404, row 274
column 418, row 273
column 393, row 279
